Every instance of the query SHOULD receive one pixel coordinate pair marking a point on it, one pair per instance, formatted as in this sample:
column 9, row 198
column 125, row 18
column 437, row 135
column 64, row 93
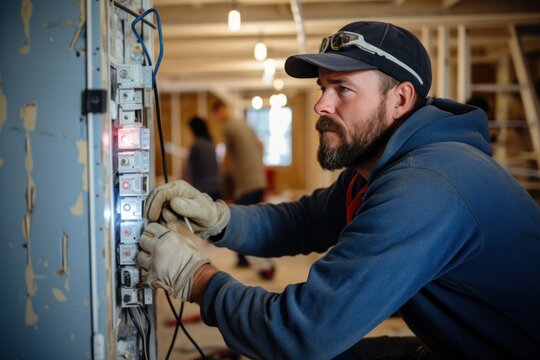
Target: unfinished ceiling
column 201, row 53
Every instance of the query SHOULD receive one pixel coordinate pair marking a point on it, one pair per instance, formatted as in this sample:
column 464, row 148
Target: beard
column 357, row 149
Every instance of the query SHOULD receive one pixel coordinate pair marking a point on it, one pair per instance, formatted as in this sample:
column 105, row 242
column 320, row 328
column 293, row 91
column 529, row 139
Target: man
column 244, row 164
column 422, row 221
column 203, row 169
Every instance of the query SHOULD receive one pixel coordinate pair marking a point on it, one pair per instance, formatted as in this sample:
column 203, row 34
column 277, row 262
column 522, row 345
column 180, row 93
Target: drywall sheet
column 44, row 237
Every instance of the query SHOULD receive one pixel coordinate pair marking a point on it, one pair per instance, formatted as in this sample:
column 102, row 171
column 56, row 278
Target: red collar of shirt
column 354, row 203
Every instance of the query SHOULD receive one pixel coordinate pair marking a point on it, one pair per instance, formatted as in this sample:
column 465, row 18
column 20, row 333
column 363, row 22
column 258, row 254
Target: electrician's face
column 353, row 116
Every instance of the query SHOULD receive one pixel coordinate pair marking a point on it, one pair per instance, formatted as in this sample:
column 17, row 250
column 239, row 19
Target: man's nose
column 324, row 105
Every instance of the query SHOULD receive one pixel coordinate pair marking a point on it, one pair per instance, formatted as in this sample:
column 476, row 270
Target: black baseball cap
column 372, row 45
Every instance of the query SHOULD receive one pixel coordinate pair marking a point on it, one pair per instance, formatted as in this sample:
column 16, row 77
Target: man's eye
column 343, row 89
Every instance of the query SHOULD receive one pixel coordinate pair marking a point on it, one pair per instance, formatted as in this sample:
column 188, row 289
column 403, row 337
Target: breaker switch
column 133, row 137
column 131, row 208
column 133, row 162
column 130, row 231
column 133, row 185
column 127, row 254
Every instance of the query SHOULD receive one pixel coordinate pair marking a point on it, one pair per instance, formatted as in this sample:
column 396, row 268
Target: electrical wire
column 145, row 339
column 160, row 132
column 177, row 316
column 132, row 13
column 179, row 323
column 149, row 328
column 154, row 84
column 138, row 327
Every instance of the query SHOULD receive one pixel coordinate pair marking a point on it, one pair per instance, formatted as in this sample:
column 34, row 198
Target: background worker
column 244, row 164
column 422, row 220
column 203, row 168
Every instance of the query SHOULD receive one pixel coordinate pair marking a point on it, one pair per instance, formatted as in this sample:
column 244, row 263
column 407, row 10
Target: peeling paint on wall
column 3, row 108
column 82, row 21
column 28, row 113
column 64, row 269
column 30, row 318
column 82, row 149
column 77, row 209
column 58, row 294
column 26, row 14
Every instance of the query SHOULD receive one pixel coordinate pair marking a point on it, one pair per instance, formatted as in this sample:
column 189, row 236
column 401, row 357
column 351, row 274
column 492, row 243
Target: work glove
column 180, row 199
column 170, row 259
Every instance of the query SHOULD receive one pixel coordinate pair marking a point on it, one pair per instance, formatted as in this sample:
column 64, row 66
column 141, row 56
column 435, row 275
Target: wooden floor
column 289, row 270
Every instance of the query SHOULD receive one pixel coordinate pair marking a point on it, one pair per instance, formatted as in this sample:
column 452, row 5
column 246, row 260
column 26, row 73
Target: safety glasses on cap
column 343, row 39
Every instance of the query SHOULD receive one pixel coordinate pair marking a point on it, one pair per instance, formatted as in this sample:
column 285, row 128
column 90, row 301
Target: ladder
column 523, row 163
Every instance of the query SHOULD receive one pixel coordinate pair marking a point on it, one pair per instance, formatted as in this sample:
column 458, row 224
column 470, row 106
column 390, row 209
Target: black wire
column 139, row 330
column 171, row 346
column 181, row 325
column 177, row 316
column 149, row 329
column 160, row 132
column 193, row 342
column 133, row 13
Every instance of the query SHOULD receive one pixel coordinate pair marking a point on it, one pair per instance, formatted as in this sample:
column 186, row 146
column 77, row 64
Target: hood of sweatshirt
column 441, row 120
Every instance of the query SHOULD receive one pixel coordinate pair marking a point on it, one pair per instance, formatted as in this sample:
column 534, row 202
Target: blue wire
column 141, row 41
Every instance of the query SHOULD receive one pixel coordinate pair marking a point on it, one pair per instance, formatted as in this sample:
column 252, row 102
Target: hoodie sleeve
column 300, row 227
column 393, row 247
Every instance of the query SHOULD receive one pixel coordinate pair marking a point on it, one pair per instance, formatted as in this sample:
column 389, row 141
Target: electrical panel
column 76, row 166
column 131, row 113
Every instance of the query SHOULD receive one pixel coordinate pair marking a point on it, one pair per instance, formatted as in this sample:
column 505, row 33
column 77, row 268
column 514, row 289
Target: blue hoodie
column 444, row 235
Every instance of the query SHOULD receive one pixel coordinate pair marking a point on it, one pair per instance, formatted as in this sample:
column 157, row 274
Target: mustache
column 326, row 123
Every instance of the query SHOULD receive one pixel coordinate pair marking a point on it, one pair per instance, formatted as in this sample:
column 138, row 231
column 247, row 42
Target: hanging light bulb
column 260, row 51
column 278, row 100
column 257, row 102
column 269, row 68
column 234, row 20
column 269, row 71
column 273, row 101
column 281, row 99
column 278, row 84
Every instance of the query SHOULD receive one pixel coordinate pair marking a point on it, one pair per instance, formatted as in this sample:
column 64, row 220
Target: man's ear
column 404, row 99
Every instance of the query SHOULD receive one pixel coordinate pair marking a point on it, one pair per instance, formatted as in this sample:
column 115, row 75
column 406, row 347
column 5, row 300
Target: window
column 273, row 126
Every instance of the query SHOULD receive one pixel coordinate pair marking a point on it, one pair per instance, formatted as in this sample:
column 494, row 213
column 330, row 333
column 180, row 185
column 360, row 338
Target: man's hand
column 170, row 258
column 179, row 199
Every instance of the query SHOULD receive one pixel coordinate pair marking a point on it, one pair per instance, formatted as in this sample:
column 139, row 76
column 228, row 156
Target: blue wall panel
column 47, row 312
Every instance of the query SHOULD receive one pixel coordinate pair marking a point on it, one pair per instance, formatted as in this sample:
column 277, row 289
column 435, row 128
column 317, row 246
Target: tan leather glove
column 208, row 217
column 170, row 259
